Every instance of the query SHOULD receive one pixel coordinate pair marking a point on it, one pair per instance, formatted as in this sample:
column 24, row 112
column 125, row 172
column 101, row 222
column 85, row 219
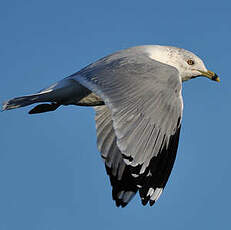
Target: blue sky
column 51, row 174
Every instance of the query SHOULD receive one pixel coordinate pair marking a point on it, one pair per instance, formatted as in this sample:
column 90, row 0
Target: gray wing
column 123, row 184
column 144, row 97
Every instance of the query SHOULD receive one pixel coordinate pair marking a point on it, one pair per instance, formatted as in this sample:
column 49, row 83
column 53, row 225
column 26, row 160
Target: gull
column 136, row 94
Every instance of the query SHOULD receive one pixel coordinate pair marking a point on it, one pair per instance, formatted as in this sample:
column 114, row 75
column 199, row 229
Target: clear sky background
column 51, row 174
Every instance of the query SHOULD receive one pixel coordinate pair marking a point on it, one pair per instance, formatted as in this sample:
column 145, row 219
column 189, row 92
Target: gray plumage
column 146, row 108
column 137, row 97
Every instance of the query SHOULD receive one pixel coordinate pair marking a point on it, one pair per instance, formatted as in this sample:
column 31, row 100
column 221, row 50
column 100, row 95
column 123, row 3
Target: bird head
column 187, row 63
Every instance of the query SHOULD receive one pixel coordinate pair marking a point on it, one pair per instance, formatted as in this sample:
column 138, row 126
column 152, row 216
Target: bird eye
column 190, row 62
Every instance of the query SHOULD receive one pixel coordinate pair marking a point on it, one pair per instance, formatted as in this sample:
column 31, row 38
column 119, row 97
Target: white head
column 187, row 63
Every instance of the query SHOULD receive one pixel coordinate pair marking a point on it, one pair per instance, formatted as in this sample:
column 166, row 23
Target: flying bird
column 136, row 94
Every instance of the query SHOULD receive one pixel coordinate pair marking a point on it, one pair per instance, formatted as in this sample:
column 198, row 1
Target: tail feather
column 20, row 102
column 66, row 91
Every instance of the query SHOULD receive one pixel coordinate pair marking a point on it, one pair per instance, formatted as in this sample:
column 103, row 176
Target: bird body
column 136, row 93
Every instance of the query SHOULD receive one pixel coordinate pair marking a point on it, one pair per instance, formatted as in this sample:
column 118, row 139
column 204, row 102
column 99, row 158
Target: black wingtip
column 152, row 202
column 145, row 200
column 120, row 203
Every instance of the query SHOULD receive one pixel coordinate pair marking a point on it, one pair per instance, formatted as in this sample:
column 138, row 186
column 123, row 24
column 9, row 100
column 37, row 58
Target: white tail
column 24, row 101
column 66, row 91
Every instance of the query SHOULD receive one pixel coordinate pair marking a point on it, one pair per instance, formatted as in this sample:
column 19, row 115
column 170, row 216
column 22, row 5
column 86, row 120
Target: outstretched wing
column 123, row 184
column 144, row 97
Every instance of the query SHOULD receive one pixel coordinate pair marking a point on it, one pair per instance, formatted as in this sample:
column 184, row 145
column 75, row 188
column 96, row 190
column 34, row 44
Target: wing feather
column 123, row 184
column 145, row 102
